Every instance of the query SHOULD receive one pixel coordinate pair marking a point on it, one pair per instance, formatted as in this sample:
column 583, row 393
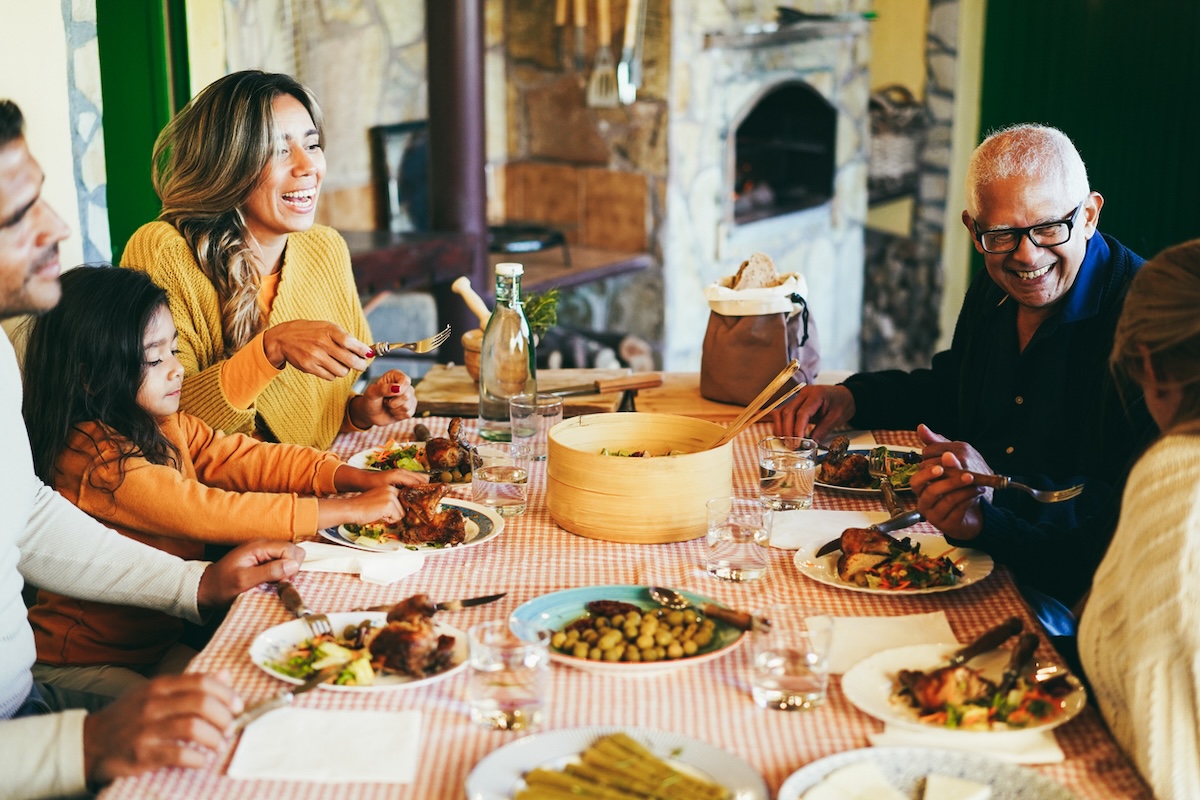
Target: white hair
column 1030, row 151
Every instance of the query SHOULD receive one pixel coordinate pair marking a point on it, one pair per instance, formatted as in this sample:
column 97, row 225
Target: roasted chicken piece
column 448, row 452
column 409, row 643
column 863, row 549
column 931, row 691
column 853, row 472
column 425, row 520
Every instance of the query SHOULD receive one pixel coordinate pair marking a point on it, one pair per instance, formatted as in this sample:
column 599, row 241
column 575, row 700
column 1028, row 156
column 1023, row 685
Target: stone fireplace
column 781, row 112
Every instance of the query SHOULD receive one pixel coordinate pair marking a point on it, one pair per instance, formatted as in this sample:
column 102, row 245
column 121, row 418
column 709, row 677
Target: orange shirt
column 227, row 489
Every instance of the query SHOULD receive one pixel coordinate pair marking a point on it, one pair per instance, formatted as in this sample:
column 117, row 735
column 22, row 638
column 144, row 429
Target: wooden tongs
column 755, row 410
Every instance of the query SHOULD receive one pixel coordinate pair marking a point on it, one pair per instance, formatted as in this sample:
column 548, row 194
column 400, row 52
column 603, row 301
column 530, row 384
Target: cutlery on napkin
column 306, row 744
column 379, row 568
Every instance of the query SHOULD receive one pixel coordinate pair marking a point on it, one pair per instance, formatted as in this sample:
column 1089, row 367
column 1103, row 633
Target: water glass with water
column 532, row 416
column 791, row 658
column 508, row 678
column 786, row 472
column 738, row 539
column 500, row 477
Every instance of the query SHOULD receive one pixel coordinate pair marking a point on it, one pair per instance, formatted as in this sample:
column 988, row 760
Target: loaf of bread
column 756, row 272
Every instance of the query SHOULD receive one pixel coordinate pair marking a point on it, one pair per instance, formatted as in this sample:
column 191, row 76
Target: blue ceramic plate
column 483, row 524
column 555, row 610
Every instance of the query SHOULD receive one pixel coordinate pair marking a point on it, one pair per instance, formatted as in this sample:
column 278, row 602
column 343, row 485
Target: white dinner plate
column 906, row 769
column 359, row 459
column 500, row 774
column 273, row 645
column 555, row 610
column 975, row 565
column 483, row 525
column 870, row 685
column 892, row 448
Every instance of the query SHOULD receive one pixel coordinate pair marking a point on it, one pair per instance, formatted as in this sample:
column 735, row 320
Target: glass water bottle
column 506, row 359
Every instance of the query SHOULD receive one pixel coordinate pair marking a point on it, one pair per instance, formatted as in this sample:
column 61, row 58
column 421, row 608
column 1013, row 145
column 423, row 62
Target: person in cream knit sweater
column 272, row 335
column 52, row 743
column 1139, row 640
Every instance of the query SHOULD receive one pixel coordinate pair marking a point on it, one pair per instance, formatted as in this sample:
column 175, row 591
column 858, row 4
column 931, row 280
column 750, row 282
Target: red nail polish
column 395, row 389
column 370, row 354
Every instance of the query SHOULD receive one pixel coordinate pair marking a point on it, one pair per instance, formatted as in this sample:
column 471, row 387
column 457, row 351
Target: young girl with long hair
column 101, row 403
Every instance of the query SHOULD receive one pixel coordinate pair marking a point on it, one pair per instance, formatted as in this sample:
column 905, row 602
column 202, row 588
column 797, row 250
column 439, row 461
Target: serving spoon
column 673, row 600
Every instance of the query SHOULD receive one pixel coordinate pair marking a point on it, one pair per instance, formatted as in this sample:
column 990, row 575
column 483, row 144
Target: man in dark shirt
column 1024, row 389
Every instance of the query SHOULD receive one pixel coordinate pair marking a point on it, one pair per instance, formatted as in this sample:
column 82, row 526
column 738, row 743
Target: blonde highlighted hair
column 1030, row 151
column 207, row 161
column 1161, row 315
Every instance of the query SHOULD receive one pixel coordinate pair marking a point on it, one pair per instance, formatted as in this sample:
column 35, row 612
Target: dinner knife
column 1017, row 661
column 285, row 697
column 447, row 605
column 988, row 640
column 641, row 380
column 902, row 520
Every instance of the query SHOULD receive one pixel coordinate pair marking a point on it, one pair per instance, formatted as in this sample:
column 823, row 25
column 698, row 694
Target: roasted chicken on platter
column 873, row 558
column 959, row 695
column 425, row 520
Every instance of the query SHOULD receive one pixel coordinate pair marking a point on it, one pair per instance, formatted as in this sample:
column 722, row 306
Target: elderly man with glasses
column 1024, row 389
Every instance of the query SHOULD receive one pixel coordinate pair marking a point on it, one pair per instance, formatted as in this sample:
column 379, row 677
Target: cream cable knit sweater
column 1140, row 634
column 316, row 283
column 46, row 539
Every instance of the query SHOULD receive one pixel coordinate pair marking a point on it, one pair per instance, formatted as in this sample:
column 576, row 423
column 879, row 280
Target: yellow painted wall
column 898, row 44
column 33, row 74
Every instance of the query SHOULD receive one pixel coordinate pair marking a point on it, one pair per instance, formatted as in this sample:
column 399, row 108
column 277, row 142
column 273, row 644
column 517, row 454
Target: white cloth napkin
column 791, row 530
column 1020, row 747
column 380, row 568
column 855, row 638
column 306, row 744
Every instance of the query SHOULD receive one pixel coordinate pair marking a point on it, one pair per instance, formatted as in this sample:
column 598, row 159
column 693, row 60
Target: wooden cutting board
column 449, row 391
column 680, row 394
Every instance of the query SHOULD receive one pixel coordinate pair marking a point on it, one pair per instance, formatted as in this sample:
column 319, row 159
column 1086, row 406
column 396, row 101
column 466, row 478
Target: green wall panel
column 1122, row 79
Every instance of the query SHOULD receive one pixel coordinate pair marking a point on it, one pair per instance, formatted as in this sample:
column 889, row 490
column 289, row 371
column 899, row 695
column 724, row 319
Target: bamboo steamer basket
column 635, row 500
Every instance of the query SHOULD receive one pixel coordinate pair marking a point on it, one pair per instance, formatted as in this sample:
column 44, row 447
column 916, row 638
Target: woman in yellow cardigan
column 272, row 335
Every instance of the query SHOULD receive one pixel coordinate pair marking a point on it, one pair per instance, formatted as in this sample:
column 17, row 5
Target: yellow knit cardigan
column 316, row 283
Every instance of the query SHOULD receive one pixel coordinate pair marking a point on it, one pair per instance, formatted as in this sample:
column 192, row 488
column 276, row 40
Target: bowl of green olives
column 621, row 630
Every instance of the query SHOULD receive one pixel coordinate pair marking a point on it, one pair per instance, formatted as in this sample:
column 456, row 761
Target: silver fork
column 1041, row 495
column 318, row 624
column 421, row 346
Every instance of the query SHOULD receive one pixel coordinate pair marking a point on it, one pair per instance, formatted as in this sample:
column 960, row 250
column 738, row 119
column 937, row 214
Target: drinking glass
column 532, row 415
column 506, row 689
column 739, row 539
column 791, row 658
column 786, row 471
column 500, row 477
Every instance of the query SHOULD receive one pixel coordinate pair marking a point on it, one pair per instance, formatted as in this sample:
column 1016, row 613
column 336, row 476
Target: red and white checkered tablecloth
column 709, row 701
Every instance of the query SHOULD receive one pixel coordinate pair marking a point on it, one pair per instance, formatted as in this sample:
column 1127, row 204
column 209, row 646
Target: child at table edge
column 102, row 386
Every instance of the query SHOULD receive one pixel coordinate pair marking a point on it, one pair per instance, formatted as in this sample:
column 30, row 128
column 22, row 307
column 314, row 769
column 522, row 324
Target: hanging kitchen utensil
column 602, row 87
column 626, row 88
column 580, row 35
column 560, row 33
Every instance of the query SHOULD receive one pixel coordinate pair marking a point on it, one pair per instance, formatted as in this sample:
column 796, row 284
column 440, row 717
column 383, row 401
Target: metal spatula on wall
column 602, row 87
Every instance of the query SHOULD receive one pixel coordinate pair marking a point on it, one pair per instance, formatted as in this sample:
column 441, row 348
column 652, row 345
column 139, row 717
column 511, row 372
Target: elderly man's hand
column 948, row 497
column 245, row 567
column 935, row 444
column 827, row 408
column 172, row 721
column 389, row 398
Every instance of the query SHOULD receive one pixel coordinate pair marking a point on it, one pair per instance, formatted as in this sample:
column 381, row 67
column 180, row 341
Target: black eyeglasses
column 1048, row 234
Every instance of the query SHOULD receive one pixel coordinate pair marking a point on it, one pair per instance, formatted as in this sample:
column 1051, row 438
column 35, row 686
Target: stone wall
column 904, row 279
